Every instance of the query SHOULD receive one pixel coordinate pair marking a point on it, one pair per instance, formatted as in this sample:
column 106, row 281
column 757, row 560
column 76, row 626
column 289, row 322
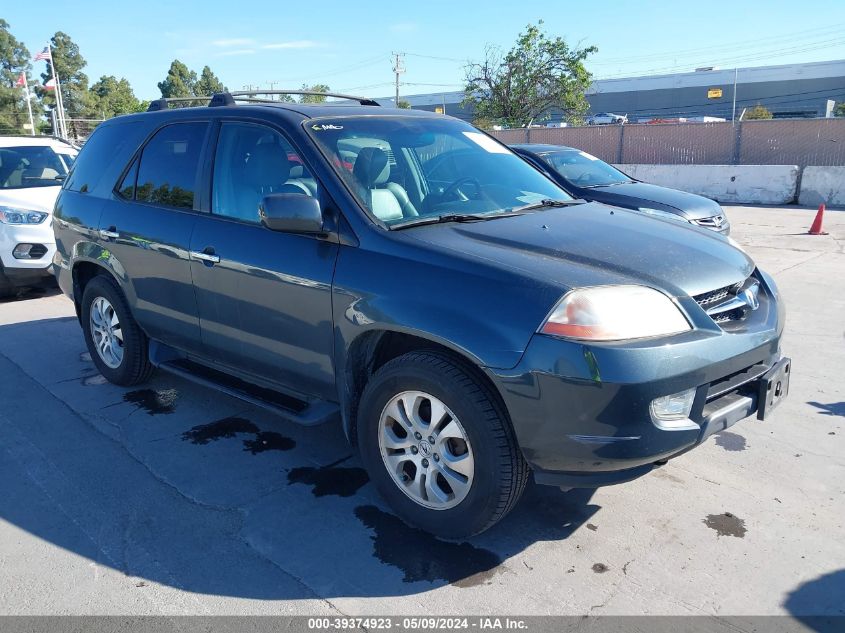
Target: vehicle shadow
column 818, row 603
column 175, row 484
column 834, row 408
column 28, row 293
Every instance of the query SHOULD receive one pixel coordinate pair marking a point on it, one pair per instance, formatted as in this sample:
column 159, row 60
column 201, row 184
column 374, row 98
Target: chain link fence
column 802, row 142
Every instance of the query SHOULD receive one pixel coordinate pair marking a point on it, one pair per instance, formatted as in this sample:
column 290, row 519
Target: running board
column 293, row 409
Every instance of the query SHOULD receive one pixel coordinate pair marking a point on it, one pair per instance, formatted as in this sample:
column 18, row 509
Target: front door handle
column 109, row 233
column 206, row 255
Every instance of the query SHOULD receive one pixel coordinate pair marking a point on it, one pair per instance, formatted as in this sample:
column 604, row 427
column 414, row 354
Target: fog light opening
column 672, row 412
column 22, row 251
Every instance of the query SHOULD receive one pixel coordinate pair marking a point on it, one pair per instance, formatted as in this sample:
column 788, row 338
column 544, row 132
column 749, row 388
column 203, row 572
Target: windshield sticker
column 320, row 127
column 487, row 143
column 588, row 156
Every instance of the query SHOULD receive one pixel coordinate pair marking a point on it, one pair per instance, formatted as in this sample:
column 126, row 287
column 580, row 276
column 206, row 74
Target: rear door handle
column 110, row 233
column 206, row 255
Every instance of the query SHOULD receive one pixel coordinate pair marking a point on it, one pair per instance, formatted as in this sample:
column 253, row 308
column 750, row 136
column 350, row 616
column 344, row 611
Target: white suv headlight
column 614, row 313
column 11, row 215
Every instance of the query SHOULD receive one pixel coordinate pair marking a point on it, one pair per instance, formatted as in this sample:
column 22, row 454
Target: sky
column 348, row 45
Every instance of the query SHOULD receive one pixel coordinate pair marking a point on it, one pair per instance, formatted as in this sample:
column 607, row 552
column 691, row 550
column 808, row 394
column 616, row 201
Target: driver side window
column 252, row 161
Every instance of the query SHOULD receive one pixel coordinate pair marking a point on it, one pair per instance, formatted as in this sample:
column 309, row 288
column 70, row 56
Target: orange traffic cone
column 816, row 228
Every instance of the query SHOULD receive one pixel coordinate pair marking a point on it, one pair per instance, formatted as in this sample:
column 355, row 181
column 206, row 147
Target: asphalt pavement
column 171, row 499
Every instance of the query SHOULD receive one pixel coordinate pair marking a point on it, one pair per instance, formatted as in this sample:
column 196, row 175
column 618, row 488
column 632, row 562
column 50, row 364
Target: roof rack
column 163, row 103
column 249, row 95
column 229, row 98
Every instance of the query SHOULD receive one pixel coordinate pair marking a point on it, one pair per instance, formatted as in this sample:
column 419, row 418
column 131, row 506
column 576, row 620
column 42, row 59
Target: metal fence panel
column 678, row 144
column 819, row 142
column 799, row 142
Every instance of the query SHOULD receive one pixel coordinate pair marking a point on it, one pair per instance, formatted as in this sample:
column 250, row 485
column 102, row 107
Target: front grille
column 716, row 222
column 729, row 304
column 714, row 296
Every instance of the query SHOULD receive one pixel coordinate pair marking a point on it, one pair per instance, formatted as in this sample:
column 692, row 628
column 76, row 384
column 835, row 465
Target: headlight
column 613, row 313
column 663, row 214
column 10, row 215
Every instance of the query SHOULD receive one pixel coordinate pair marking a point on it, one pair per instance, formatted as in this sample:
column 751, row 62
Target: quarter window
column 167, row 174
column 253, row 161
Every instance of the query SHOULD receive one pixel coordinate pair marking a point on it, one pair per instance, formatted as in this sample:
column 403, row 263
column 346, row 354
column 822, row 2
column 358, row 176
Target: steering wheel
column 583, row 178
column 454, row 189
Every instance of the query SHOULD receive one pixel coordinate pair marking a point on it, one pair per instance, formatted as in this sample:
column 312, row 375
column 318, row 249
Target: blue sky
column 348, row 45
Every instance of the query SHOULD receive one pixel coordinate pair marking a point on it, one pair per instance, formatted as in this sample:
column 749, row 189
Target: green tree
column 314, row 98
column 111, row 96
column 74, row 83
column 179, row 82
column 522, row 85
column 208, row 83
column 839, row 110
column 14, row 59
column 758, row 112
column 403, row 105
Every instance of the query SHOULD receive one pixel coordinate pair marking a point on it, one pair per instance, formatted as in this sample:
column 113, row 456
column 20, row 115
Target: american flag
column 45, row 54
column 21, row 80
column 50, row 85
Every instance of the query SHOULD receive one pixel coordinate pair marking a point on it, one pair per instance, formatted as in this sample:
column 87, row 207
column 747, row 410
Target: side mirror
column 291, row 213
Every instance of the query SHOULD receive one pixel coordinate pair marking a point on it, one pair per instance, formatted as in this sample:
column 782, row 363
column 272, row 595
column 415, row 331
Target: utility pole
column 733, row 113
column 398, row 69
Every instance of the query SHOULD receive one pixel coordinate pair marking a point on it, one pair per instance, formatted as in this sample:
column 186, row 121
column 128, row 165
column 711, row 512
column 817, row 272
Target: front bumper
column 581, row 411
column 26, row 272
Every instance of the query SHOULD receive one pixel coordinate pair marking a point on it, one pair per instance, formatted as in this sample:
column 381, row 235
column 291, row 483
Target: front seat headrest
column 371, row 167
column 268, row 166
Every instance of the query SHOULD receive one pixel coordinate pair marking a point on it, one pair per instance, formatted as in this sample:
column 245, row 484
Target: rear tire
column 498, row 474
column 118, row 347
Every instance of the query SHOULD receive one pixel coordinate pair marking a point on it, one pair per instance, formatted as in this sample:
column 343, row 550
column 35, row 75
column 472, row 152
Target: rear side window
column 107, row 144
column 167, row 173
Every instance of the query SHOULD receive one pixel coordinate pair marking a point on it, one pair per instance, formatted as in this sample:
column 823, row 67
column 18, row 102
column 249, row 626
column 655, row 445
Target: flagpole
column 59, row 105
column 28, row 105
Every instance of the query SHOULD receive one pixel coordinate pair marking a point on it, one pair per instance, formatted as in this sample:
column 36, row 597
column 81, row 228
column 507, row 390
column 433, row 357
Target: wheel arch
column 372, row 349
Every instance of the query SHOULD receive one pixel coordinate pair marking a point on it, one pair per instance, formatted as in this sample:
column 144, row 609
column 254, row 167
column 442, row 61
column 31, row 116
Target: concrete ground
column 173, row 499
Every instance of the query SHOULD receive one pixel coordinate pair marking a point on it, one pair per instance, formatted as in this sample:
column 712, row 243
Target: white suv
column 32, row 170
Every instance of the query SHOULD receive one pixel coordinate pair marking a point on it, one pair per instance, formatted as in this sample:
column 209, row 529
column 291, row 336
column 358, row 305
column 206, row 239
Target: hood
column 35, row 198
column 639, row 194
column 593, row 244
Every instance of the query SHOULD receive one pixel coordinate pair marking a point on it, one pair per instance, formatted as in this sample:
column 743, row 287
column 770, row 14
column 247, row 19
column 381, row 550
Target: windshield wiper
column 454, row 217
column 547, row 203
column 610, row 184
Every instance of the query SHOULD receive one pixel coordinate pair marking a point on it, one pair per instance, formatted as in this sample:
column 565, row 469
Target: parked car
column 585, row 176
column 32, row 169
column 409, row 277
column 607, row 118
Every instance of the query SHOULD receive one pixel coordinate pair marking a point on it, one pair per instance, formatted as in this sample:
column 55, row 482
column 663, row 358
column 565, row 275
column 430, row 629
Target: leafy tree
column 758, row 112
column 208, row 83
column 14, row 59
column 314, row 98
column 522, row 85
column 840, row 109
column 404, row 105
column 180, row 82
column 74, row 83
column 111, row 96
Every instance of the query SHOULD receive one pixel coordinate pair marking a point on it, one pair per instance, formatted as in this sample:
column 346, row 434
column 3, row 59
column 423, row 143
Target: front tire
column 438, row 445
column 118, row 347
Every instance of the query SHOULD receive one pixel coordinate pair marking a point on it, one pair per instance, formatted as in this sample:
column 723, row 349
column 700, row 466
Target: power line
column 742, row 46
column 780, row 52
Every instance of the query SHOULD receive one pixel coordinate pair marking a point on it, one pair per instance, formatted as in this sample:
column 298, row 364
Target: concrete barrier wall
column 823, row 185
column 739, row 184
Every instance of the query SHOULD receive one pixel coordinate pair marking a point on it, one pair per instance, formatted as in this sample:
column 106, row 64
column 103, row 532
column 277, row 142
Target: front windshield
column 583, row 170
column 30, row 166
column 404, row 169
